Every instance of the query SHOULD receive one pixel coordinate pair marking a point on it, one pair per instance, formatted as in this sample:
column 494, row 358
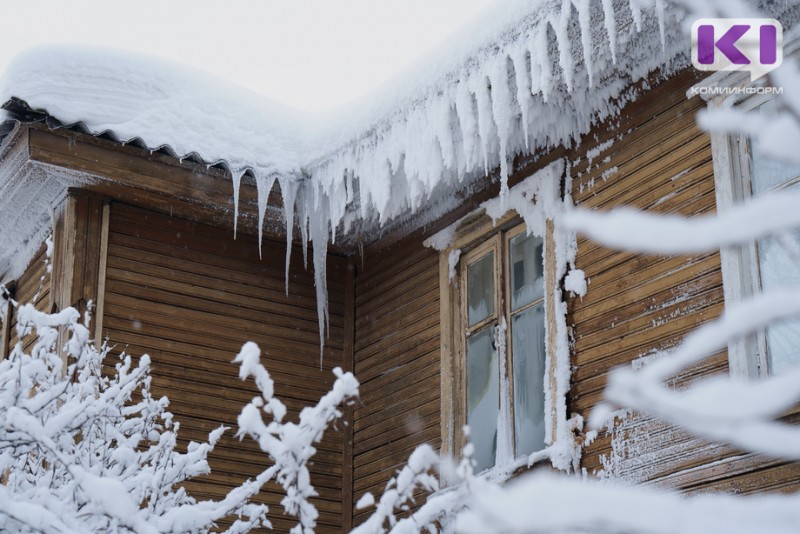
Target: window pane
column 526, row 266
column 480, row 289
column 483, row 396
column 780, row 267
column 527, row 346
column 768, row 173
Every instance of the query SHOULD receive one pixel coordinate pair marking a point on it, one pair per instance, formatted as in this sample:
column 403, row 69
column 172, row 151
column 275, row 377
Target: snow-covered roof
column 527, row 74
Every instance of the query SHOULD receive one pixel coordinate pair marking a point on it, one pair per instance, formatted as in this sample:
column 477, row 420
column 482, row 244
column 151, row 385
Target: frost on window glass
column 779, row 260
column 483, row 396
column 527, row 342
column 778, row 256
column 480, row 288
column 768, row 173
column 527, row 282
column 504, row 337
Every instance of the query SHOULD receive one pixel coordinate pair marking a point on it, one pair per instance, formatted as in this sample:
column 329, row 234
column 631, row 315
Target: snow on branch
column 290, row 445
column 545, row 502
column 440, row 508
column 399, row 492
column 638, row 231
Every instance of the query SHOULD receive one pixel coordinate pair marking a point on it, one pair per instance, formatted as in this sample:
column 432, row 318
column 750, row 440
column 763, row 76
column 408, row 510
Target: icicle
column 444, row 129
column 636, row 14
column 264, row 186
column 522, row 79
column 611, row 27
column 561, row 28
column 546, row 73
column 319, row 239
column 502, row 114
column 303, row 219
column 236, row 177
column 485, row 121
column 349, row 184
column 585, row 22
column 465, row 108
column 661, row 27
column 541, row 66
column 288, row 194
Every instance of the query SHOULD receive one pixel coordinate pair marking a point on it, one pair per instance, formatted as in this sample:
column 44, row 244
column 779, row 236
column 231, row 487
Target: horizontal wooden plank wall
column 190, row 295
column 33, row 286
column 397, row 361
column 653, row 157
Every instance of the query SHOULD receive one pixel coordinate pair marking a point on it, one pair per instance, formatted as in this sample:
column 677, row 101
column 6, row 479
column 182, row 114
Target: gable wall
column 189, row 296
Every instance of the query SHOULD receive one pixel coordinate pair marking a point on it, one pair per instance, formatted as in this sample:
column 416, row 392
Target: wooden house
column 418, row 303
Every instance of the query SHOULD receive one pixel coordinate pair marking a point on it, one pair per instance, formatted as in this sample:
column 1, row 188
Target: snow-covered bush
column 82, row 451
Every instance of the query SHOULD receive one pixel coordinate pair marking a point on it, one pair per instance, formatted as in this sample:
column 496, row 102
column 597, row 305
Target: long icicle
column 236, row 178
column 264, row 186
column 288, row 194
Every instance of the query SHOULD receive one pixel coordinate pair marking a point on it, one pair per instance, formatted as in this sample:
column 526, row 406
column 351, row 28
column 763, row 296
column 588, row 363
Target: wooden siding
column 33, row 286
column 397, row 360
column 654, row 158
column 190, row 296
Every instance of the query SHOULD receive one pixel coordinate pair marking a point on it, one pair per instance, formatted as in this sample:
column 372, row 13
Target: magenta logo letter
column 755, row 45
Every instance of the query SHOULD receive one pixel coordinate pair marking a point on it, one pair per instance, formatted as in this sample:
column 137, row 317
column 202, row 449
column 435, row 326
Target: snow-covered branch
column 637, row 231
column 546, row 502
column 290, row 445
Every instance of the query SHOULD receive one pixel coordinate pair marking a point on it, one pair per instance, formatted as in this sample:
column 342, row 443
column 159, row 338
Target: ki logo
column 754, row 45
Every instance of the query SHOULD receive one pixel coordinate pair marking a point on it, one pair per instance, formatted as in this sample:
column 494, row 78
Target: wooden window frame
column 747, row 356
column 741, row 278
column 475, row 236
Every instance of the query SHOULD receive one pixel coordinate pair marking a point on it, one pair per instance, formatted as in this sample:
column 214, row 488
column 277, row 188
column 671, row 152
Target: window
column 742, row 171
column 498, row 332
column 778, row 256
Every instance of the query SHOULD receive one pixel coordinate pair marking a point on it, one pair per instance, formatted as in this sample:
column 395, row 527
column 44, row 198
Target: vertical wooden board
column 5, row 328
column 101, row 275
column 348, row 362
column 78, row 253
column 448, row 301
column 190, row 296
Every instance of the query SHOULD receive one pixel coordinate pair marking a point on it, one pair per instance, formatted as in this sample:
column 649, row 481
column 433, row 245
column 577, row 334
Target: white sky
column 310, row 54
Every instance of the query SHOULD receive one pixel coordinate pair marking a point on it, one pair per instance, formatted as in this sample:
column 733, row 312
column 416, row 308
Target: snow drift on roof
column 163, row 103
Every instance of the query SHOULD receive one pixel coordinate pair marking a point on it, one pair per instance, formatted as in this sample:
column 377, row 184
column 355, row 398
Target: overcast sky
column 310, row 54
